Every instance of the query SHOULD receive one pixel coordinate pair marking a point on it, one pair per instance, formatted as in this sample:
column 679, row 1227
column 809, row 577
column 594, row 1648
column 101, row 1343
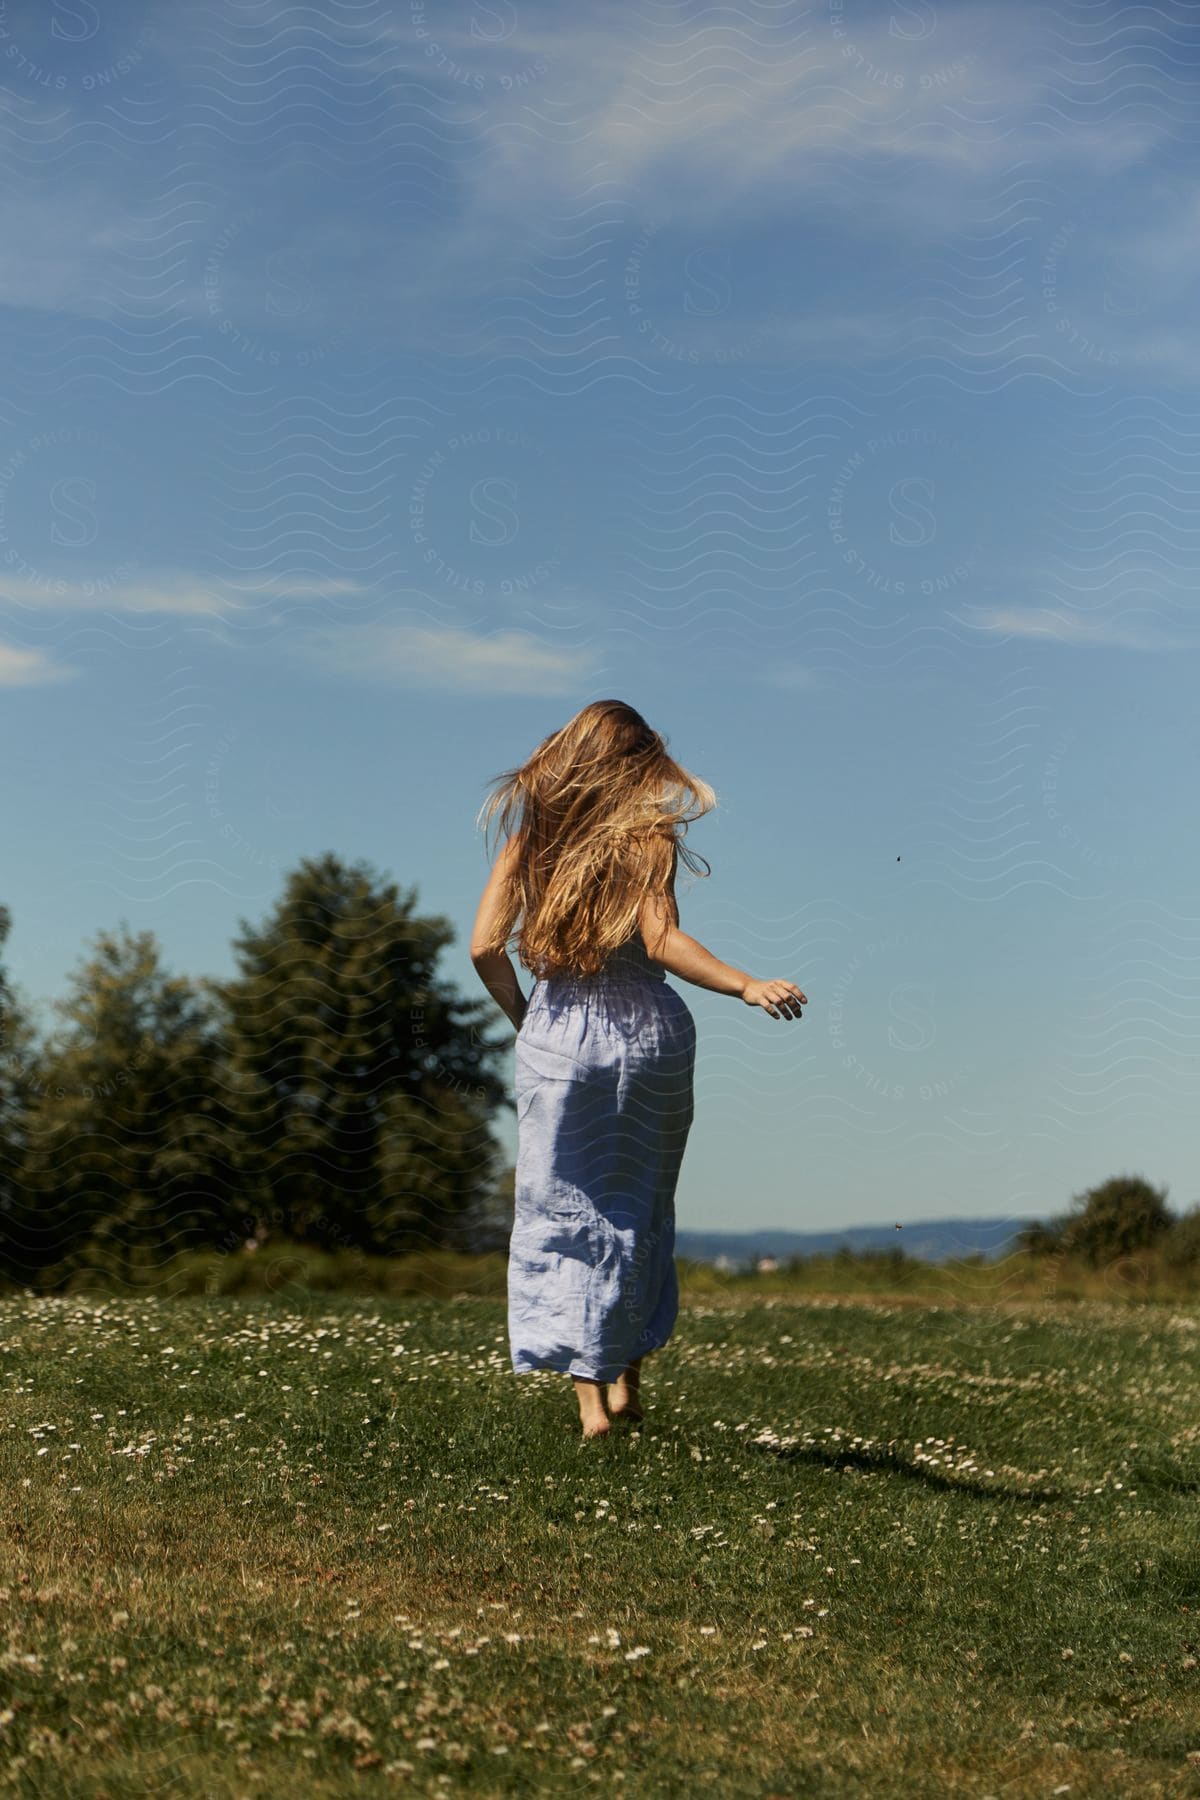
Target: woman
column 594, row 822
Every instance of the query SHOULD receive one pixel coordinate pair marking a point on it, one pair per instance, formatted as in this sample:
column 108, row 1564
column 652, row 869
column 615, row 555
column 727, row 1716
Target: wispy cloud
column 1079, row 629
column 448, row 658
column 69, row 233
column 701, row 126
column 180, row 592
column 714, row 124
column 30, row 668
column 792, row 676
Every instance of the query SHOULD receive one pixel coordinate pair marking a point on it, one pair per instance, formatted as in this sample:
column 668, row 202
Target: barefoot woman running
column 594, row 823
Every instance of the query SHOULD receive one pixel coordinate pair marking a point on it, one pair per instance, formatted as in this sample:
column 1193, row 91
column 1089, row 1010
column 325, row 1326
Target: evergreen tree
column 18, row 1058
column 367, row 1081
column 1181, row 1244
column 129, row 1153
column 488, row 1225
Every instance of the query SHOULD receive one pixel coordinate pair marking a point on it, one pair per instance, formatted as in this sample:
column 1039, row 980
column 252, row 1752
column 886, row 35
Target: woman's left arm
column 494, row 967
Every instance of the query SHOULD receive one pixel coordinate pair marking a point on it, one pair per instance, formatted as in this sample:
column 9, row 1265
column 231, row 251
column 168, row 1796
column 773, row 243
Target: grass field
column 316, row 1545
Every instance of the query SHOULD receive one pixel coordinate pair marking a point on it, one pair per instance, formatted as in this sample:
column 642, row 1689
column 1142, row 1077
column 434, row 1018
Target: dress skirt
column 604, row 1095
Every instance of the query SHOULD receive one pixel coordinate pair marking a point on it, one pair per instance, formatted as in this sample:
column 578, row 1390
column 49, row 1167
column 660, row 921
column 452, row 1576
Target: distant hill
column 932, row 1240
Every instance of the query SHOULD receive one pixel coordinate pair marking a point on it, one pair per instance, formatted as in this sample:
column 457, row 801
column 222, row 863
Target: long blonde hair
column 603, row 811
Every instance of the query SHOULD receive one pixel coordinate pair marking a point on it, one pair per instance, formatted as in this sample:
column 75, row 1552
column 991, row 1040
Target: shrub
column 1181, row 1244
column 1039, row 1238
column 1116, row 1218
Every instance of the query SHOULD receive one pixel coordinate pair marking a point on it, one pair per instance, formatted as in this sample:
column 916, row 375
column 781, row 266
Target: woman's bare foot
column 623, row 1402
column 590, row 1395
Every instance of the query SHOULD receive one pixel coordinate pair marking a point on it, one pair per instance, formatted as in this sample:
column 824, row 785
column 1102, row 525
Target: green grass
column 321, row 1545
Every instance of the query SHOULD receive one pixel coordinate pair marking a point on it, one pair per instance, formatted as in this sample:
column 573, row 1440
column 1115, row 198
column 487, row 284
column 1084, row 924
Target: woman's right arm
column 687, row 957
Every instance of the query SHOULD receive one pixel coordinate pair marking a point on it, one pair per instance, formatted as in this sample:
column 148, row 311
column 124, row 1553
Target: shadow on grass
column 1163, row 1475
column 1168, row 1574
column 892, row 1462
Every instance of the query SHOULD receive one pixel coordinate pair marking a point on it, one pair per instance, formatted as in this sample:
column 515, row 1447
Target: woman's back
column 629, row 961
column 633, row 958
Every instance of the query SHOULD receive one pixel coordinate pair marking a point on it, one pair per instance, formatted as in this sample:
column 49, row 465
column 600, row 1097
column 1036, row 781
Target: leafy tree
column 18, row 1055
column 1181, row 1244
column 1120, row 1216
column 1040, row 1237
column 366, row 1081
column 488, row 1226
column 128, row 1148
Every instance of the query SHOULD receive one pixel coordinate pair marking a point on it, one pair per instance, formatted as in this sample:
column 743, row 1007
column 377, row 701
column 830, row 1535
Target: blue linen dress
column 604, row 1094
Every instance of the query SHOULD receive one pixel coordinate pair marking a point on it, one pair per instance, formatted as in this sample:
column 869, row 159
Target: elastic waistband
column 594, row 983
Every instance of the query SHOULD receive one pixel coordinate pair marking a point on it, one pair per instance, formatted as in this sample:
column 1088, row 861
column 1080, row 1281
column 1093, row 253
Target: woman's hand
column 784, row 995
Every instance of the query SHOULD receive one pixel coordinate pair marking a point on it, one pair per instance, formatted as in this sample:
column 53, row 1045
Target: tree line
column 336, row 1091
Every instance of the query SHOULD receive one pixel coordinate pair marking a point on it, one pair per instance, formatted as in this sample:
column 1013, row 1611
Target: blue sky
column 380, row 382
